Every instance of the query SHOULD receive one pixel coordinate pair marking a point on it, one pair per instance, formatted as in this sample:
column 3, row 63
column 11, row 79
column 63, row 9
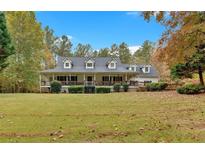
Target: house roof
column 100, row 66
column 78, row 65
column 152, row 73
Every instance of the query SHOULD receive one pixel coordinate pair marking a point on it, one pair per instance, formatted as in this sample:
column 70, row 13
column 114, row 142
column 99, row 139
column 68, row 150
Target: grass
column 116, row 117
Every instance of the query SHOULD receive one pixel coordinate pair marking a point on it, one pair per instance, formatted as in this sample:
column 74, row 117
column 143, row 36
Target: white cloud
column 133, row 13
column 70, row 37
column 134, row 48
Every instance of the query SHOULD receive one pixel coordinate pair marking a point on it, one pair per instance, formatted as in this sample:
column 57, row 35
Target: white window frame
column 69, row 62
column 148, row 69
column 89, row 62
column 112, row 67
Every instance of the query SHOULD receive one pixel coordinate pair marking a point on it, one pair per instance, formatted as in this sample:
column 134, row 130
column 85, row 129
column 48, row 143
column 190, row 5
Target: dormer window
column 89, row 64
column 146, row 69
column 67, row 64
column 112, row 65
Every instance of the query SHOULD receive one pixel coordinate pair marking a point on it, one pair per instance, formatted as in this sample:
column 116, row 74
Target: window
column 67, row 64
column 61, row 78
column 89, row 65
column 146, row 69
column 117, row 78
column 105, row 78
column 112, row 65
column 133, row 68
column 74, row 78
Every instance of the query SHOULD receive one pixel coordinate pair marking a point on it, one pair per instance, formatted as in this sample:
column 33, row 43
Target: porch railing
column 102, row 83
column 64, row 83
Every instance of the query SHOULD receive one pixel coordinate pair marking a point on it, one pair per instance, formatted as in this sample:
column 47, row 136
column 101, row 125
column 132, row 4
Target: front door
column 89, row 78
column 89, row 81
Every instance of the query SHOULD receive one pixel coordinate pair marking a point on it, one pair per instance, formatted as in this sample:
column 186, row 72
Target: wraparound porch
column 97, row 79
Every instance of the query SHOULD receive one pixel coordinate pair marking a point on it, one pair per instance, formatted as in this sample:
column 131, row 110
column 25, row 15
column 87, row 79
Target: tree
column 143, row 54
column 63, row 46
column 95, row 53
column 114, row 51
column 6, row 47
column 22, row 75
column 193, row 64
column 49, row 40
column 83, row 50
column 184, row 31
column 104, row 52
column 124, row 53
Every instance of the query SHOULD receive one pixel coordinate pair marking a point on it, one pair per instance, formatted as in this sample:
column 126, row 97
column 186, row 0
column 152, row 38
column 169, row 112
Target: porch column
column 53, row 77
column 109, row 80
column 126, row 77
column 66, row 78
column 84, row 78
column 94, row 78
column 40, row 82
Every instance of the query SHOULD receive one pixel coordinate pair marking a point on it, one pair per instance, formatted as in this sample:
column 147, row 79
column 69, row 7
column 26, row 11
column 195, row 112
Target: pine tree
column 143, row 54
column 63, row 46
column 6, row 47
column 114, row 51
column 104, row 52
column 83, row 50
column 193, row 64
column 124, row 53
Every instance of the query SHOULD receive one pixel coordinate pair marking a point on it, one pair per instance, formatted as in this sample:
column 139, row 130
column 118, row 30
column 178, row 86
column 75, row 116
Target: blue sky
column 102, row 29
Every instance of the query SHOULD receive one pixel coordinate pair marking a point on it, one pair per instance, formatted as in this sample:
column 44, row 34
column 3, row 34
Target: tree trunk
column 200, row 72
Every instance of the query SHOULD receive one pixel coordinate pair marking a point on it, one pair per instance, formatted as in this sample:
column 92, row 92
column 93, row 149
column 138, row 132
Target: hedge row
column 156, row 86
column 117, row 87
column 76, row 89
column 88, row 89
column 103, row 89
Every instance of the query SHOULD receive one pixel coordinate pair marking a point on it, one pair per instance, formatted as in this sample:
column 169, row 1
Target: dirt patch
column 74, row 115
column 200, row 126
column 11, row 134
column 115, row 134
column 187, row 110
column 45, row 134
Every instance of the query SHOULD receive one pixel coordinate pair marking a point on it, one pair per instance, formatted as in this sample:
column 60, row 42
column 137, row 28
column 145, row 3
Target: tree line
column 26, row 48
column 62, row 46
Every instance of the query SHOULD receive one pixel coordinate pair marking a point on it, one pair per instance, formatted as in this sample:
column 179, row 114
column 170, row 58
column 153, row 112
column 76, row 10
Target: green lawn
column 116, row 117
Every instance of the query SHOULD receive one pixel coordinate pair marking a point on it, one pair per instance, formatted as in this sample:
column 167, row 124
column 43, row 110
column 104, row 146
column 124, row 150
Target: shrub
column 55, row 87
column 163, row 85
column 190, row 89
column 180, row 70
column 156, row 86
column 76, row 89
column 103, row 89
column 89, row 89
column 116, row 87
column 125, row 87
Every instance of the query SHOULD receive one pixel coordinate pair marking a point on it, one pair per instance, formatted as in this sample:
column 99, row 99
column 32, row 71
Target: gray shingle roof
column 153, row 72
column 78, row 65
